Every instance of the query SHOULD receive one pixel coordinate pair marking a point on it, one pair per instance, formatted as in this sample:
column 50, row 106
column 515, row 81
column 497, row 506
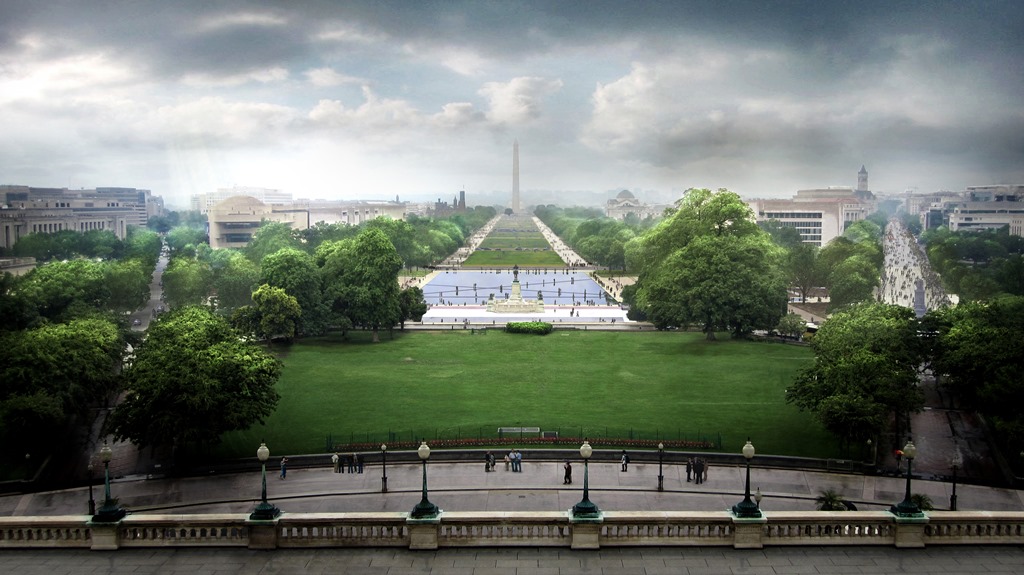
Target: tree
column 412, row 305
column 272, row 237
column 55, row 289
column 187, row 281
column 803, row 268
column 830, row 500
column 296, row 273
column 55, row 373
column 361, row 276
column 792, row 325
column 191, row 381
column 128, row 285
column 278, row 313
column 866, row 368
column 234, row 278
column 709, row 264
column 979, row 352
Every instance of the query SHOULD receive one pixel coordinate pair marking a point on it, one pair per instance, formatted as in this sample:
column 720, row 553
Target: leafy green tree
column 296, row 273
column 191, row 381
column 412, row 305
column 709, row 264
column 852, row 281
column 272, row 237
column 830, row 500
column 361, row 278
column 803, row 268
column 187, row 281
column 54, row 289
column 53, row 374
column 144, row 246
column 128, row 284
column 866, row 365
column 234, row 278
column 278, row 313
column 184, row 239
column 979, row 353
column 791, row 325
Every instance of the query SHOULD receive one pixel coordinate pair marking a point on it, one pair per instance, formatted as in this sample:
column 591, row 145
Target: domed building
column 625, row 203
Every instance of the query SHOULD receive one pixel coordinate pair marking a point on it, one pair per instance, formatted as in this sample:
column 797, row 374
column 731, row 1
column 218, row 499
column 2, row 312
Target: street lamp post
column 384, row 468
column 958, row 461
column 110, row 511
column 907, row 508
column 424, row 509
column 661, row 478
column 92, row 502
column 586, row 509
column 747, row 508
column 264, row 511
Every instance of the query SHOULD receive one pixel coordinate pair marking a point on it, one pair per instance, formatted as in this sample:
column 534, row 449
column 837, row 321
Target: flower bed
column 542, row 442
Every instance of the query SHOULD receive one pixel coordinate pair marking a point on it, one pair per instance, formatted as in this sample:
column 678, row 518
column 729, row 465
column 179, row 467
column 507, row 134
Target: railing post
column 747, row 532
column 910, row 531
column 105, row 536
column 262, row 534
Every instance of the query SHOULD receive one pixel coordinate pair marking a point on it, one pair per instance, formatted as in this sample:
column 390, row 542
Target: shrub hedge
column 534, row 327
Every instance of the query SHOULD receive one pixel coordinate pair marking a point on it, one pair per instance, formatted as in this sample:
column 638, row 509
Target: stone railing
column 512, row 529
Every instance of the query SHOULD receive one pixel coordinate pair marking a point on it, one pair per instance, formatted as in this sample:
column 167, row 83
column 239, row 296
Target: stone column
column 423, row 533
column 747, row 532
column 105, row 536
column 262, row 534
column 910, row 531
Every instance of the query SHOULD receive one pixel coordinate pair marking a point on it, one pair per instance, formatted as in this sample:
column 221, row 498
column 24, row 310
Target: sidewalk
column 466, row 487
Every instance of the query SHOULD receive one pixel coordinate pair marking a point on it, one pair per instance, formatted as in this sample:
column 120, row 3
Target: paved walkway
column 522, row 561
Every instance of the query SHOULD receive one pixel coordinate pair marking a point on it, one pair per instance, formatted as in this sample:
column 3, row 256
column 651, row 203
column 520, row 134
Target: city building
column 233, row 221
column 987, row 208
column 26, row 210
column 625, row 203
column 203, row 202
column 821, row 214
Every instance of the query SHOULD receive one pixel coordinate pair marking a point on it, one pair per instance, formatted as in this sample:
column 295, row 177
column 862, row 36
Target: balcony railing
column 517, row 529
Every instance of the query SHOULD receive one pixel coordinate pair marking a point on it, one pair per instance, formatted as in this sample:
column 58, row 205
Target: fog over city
column 360, row 100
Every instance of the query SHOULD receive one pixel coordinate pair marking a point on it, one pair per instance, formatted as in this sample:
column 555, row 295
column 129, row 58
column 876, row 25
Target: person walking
column 336, row 460
column 567, row 479
column 698, row 470
column 689, row 468
column 625, row 461
column 284, row 467
column 488, row 461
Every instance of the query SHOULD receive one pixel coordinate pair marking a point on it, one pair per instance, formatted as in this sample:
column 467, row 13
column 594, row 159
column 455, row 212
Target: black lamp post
column 747, row 508
column 264, row 511
column 907, row 508
column 957, row 462
column 661, row 478
column 586, row 509
column 424, row 509
column 384, row 468
column 110, row 511
column 92, row 502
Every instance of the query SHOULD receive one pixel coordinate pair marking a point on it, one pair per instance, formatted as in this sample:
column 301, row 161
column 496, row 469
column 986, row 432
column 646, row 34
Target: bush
column 534, row 327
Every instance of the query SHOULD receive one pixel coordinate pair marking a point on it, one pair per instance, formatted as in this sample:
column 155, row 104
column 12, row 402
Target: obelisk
column 515, row 176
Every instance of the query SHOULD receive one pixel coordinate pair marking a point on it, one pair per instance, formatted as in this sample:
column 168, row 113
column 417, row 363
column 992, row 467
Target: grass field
column 492, row 243
column 511, row 258
column 430, row 384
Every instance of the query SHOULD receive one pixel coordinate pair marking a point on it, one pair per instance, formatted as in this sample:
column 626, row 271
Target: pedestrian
column 689, row 468
column 508, row 460
column 698, row 471
column 359, row 463
column 284, row 467
column 567, row 480
column 487, row 461
column 625, row 461
column 352, row 463
column 336, row 460
column 706, row 467
column 519, row 462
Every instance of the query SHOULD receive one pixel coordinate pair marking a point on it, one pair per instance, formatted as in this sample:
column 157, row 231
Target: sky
column 421, row 99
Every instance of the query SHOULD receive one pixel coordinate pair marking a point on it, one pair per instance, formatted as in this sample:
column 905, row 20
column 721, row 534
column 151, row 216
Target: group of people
column 906, row 265
column 354, row 463
column 514, row 460
column 697, row 469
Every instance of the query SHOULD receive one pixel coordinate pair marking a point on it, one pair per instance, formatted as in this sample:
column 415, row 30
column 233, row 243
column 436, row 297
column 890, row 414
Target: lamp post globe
column 264, row 511
column 586, row 509
column 907, row 507
column 661, row 455
column 747, row 507
column 424, row 509
column 110, row 511
column 383, row 468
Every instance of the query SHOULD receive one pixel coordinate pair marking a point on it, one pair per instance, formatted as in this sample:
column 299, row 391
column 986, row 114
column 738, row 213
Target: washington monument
column 515, row 176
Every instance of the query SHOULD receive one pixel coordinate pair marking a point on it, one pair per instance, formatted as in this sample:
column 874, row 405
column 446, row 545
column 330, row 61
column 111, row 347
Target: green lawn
column 491, row 243
column 510, row 258
column 447, row 384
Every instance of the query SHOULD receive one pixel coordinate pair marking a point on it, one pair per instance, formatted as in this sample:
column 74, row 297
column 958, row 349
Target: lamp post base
column 746, row 509
column 109, row 513
column 906, row 509
column 585, row 509
column 424, row 510
column 264, row 512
